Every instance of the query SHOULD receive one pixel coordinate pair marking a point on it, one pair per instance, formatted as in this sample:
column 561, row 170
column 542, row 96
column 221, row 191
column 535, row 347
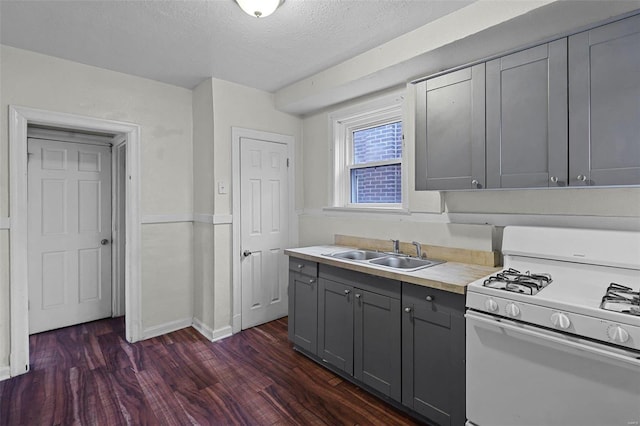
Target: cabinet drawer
column 304, row 267
column 434, row 299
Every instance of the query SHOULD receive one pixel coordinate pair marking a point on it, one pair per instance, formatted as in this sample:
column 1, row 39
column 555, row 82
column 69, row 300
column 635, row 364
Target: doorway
column 264, row 225
column 70, row 239
column 127, row 138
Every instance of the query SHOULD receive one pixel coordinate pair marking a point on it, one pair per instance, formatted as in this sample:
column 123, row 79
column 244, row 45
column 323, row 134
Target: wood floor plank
column 89, row 375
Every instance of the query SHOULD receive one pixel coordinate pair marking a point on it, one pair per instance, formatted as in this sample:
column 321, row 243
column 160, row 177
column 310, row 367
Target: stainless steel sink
column 387, row 260
column 358, row 255
column 404, row 263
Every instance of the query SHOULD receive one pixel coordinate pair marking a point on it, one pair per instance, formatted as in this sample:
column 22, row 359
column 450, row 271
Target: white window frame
column 380, row 111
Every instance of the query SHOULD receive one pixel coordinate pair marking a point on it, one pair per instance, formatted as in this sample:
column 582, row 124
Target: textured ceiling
column 184, row 42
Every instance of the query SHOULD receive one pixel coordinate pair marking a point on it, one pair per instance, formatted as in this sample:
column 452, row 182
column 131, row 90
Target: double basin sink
column 392, row 261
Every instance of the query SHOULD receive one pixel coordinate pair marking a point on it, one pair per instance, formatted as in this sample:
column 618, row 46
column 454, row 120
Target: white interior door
column 69, row 233
column 264, row 230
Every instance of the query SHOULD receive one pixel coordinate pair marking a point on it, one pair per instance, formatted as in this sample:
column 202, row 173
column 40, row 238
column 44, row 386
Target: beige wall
column 164, row 113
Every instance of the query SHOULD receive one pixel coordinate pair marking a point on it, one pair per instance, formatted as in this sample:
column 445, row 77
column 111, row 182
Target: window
column 368, row 155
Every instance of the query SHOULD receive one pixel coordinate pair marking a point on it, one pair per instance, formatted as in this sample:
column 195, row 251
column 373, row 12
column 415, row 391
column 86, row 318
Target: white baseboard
column 5, row 373
column 165, row 328
column 210, row 333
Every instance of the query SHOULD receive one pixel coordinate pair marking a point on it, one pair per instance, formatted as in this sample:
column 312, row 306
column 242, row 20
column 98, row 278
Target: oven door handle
column 627, row 358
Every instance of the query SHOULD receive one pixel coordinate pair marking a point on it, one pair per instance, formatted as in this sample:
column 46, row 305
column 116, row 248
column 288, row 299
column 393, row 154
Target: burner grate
column 620, row 298
column 517, row 282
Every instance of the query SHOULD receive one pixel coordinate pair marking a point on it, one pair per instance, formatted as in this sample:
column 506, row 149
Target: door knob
column 554, row 179
column 581, row 178
column 475, row 183
column 104, row 242
column 247, row 253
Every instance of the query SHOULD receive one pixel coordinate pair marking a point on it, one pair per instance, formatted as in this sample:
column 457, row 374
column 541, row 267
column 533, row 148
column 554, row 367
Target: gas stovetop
column 620, row 298
column 556, row 278
column 518, row 282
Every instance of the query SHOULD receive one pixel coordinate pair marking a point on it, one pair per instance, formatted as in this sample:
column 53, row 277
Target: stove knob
column 618, row 334
column 560, row 320
column 512, row 310
column 491, row 305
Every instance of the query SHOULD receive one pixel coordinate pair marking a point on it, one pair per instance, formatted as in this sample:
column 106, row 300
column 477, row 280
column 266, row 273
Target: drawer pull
column 430, row 298
column 300, row 266
column 347, row 292
column 407, row 310
column 312, row 280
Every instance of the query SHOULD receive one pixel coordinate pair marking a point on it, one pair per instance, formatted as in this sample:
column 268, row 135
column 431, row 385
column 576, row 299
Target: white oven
column 524, row 375
column 554, row 338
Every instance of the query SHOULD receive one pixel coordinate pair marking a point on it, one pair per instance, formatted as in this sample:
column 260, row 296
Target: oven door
column 524, row 375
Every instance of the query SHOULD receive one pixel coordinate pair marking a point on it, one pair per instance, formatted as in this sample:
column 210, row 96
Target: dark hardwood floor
column 88, row 374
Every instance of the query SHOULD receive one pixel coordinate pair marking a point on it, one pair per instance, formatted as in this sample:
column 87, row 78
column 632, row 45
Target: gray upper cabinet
column 450, row 130
column 526, row 101
column 604, row 105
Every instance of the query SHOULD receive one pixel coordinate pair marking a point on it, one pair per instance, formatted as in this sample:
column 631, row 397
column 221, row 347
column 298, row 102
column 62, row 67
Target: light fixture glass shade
column 259, row 8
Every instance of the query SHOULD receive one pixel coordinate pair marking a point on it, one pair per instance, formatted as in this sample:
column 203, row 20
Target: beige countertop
column 449, row 276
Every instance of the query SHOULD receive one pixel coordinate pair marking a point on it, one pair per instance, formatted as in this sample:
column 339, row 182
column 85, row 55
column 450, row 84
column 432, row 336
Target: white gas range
column 560, row 325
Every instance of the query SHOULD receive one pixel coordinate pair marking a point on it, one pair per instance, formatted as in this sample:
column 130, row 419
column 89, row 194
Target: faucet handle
column 396, row 246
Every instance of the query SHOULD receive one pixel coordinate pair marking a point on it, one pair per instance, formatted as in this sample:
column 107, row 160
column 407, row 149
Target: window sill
column 376, row 209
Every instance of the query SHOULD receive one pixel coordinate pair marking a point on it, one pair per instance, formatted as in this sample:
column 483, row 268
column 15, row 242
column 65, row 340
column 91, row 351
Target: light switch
column 222, row 188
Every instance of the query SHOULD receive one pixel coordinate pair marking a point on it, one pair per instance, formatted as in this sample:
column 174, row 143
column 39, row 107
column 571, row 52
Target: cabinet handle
column 347, row 291
column 475, row 183
column 581, row 178
column 300, row 266
column 407, row 310
column 430, row 298
column 554, row 179
column 358, row 295
column 312, row 280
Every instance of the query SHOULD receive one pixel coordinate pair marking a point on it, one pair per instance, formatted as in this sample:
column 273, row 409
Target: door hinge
column 28, row 305
column 287, row 162
column 29, row 154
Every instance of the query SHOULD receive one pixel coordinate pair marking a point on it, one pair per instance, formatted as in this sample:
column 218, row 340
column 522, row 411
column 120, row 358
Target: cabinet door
column 377, row 342
column 604, row 105
column 450, row 130
column 527, row 136
column 303, row 311
column 335, row 328
column 433, row 370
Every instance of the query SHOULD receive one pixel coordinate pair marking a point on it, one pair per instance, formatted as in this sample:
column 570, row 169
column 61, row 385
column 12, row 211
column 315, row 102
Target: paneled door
column 69, row 234
column 264, row 228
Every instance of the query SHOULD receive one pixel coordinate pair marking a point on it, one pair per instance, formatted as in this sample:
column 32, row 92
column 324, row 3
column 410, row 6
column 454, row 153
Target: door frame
column 237, row 133
column 128, row 134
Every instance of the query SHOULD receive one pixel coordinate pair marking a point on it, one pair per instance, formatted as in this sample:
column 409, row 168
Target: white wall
column 203, row 192
column 239, row 106
column 455, row 219
column 164, row 113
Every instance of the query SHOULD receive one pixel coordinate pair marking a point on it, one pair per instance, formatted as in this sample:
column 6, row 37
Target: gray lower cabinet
column 303, row 304
column 335, row 324
column 450, row 131
column 359, row 327
column 404, row 341
column 604, row 104
column 433, row 356
column 527, row 137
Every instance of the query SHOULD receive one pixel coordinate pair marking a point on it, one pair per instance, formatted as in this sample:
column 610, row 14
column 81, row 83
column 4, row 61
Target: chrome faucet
column 396, row 246
column 418, row 249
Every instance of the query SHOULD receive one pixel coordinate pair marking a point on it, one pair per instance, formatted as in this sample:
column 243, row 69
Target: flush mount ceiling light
column 259, row 8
